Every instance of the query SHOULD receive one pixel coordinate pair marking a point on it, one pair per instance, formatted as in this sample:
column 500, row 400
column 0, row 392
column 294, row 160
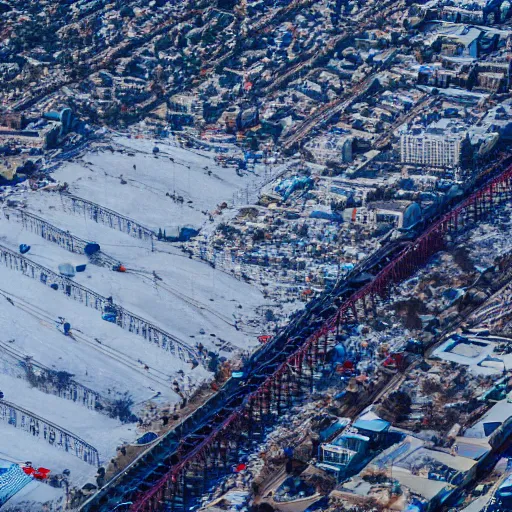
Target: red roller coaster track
column 268, row 394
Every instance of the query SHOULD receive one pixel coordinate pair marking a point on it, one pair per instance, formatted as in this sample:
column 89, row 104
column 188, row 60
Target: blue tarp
column 290, row 185
column 12, row 480
column 91, row 248
column 334, row 217
column 505, row 489
column 342, row 191
column 81, row 268
column 333, row 429
column 147, row 438
column 109, row 317
column 187, row 233
column 184, row 235
column 249, row 155
column 376, row 425
column 339, row 353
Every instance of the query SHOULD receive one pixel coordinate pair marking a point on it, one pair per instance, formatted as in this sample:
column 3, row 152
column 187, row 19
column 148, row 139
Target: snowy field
column 186, row 297
column 190, row 300
column 138, row 184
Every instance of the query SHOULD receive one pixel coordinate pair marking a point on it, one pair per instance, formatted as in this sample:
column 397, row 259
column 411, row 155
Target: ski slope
column 195, row 303
column 146, row 180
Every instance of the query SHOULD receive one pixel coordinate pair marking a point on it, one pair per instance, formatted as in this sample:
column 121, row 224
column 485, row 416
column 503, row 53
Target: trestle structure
column 101, row 215
column 18, row 365
column 48, row 432
column 208, row 455
column 90, row 298
column 60, row 237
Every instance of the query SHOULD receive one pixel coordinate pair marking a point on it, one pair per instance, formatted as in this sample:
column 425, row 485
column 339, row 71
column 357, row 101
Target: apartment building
column 436, row 150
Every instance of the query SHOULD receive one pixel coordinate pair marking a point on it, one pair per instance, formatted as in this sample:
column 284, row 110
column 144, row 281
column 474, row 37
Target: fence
column 60, row 237
column 105, row 216
column 47, row 380
column 89, row 298
column 48, row 432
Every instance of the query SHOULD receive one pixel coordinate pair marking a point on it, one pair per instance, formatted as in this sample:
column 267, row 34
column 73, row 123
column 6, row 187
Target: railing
column 47, row 380
column 105, row 216
column 124, row 318
column 49, row 432
column 60, row 237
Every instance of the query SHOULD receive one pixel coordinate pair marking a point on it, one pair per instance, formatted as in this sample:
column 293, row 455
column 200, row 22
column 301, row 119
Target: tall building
column 431, row 149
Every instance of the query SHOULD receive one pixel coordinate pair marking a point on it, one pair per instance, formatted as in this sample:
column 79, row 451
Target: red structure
column 217, row 452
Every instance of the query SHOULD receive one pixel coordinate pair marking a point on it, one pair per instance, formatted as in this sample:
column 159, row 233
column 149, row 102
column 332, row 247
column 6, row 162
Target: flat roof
column 429, row 489
column 375, row 425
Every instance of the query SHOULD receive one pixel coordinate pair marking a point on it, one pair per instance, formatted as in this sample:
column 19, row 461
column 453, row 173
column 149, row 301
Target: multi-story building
column 436, row 150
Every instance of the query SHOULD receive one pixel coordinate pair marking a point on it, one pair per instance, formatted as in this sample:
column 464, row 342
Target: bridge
column 182, row 466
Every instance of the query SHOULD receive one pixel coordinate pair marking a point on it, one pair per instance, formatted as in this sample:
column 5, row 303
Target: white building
column 431, row 149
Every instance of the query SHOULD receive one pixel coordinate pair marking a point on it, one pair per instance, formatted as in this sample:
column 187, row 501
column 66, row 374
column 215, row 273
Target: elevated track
column 188, row 460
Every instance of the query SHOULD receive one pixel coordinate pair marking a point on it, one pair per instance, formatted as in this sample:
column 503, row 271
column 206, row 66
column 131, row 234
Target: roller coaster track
column 106, row 216
column 60, row 237
column 124, row 318
column 184, row 463
column 152, row 374
column 74, row 391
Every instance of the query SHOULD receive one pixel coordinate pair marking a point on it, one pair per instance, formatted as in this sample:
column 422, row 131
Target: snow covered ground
column 189, row 299
column 185, row 298
column 102, row 432
column 139, row 185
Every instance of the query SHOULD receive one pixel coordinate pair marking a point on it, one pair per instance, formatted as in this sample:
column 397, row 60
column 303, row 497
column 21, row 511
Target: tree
column 253, row 143
column 397, row 405
column 269, row 315
column 463, row 259
column 121, row 408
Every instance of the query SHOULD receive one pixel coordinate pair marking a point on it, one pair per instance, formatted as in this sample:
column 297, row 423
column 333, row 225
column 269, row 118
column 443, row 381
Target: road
column 327, row 112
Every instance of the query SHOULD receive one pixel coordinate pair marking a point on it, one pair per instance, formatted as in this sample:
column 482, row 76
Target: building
column 334, row 148
column 399, row 214
column 417, row 474
column 435, row 150
column 344, row 454
column 12, row 120
column 185, row 103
